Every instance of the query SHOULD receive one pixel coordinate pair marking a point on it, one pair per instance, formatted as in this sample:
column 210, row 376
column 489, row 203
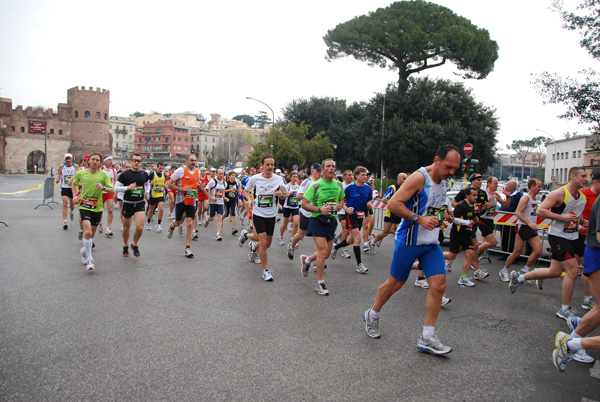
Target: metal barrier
column 48, row 193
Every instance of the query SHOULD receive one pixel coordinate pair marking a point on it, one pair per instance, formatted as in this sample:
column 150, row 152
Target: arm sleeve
column 120, row 187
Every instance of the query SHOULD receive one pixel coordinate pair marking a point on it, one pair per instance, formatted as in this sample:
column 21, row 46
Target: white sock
column 574, row 344
column 87, row 245
column 585, row 299
column 565, row 307
column 428, row 332
column 574, row 335
column 374, row 314
column 521, row 278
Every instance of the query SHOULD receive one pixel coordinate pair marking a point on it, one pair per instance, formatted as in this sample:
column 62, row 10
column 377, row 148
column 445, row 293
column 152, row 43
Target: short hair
column 188, row 157
column 574, row 171
column 469, row 190
column 294, row 172
column 490, row 180
column 135, row 154
column 267, row 156
column 359, row 170
column 326, row 160
column 442, row 151
column 96, row 153
column 532, row 182
column 346, row 172
column 160, row 164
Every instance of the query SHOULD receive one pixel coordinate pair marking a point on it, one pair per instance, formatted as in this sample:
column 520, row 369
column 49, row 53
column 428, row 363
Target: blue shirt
column 357, row 197
column 515, row 197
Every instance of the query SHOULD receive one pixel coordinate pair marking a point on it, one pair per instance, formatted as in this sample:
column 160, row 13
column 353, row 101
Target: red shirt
column 590, row 198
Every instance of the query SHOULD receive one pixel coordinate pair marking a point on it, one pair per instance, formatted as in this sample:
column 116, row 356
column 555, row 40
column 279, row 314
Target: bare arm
column 553, row 200
column 519, row 212
column 396, row 205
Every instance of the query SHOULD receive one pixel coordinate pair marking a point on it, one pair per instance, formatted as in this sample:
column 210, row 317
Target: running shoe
column 514, row 281
column 218, row 237
column 322, row 289
column 290, row 251
column 445, row 300
column 242, row 220
column 481, row 274
column 290, row 226
column 582, row 357
column 304, row 265
column 206, row 222
column 170, row 232
column 125, row 252
column 371, row 325
column 100, row 227
column 337, row 238
column 188, row 253
column 561, row 352
column 365, row 247
column 158, row 227
column 588, row 305
column 371, row 247
column 422, row 283
column 280, row 241
column 433, row 345
column 267, row 276
column 278, row 218
column 465, row 282
column 234, row 232
column 565, row 313
column 136, row 250
column 108, row 233
column 504, row 275
column 65, row 226
column 180, row 228
column 71, row 216
column 80, row 234
column 195, row 235
column 345, row 253
column 148, row 227
column 242, row 239
column 539, row 283
column 84, row 256
column 90, row 265
column 333, row 252
column 448, row 265
column 361, row 269
column 573, row 322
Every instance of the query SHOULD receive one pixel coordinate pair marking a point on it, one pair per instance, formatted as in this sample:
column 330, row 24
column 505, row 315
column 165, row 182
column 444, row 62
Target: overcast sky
column 208, row 57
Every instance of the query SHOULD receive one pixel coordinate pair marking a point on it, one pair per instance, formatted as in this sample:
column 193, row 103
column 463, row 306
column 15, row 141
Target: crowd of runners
column 338, row 215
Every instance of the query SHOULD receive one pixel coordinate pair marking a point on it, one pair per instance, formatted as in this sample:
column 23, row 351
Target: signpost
column 468, row 148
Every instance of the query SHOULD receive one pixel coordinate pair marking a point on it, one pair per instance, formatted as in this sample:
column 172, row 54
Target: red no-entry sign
column 468, row 148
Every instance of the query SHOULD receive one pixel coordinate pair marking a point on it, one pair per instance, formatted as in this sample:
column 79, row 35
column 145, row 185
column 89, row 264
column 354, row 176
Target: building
column 564, row 154
column 123, row 131
column 164, row 139
column 35, row 138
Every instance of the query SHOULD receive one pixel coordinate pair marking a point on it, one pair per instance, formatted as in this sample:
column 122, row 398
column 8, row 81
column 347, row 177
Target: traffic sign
column 295, row 167
column 468, row 148
column 231, row 166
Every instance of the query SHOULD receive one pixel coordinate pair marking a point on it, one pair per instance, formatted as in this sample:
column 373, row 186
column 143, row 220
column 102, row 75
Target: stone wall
column 18, row 148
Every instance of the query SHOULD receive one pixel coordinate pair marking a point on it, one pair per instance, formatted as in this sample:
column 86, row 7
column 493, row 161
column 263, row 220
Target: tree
column 522, row 148
column 262, row 119
column 249, row 120
column 581, row 95
column 540, row 148
column 138, row 114
column 411, row 36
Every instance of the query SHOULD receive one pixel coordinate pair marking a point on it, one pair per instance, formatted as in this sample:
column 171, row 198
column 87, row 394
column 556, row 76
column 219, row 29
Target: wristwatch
column 415, row 218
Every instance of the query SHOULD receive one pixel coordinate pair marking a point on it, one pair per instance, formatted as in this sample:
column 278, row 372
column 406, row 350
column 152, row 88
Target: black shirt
column 482, row 198
column 466, row 212
column 139, row 178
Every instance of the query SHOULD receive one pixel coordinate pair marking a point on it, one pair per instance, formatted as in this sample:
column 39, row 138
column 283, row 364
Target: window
column 22, row 129
column 60, row 132
column 86, row 114
column 186, row 140
column 12, row 128
column 156, row 139
column 147, row 139
column 98, row 115
column 566, row 155
column 166, row 139
column 579, row 154
column 552, row 156
column 105, row 116
column 158, row 130
column 179, row 139
column 574, row 154
column 146, row 147
column 213, row 141
column 562, row 155
column 51, row 131
column 76, row 114
column 179, row 148
column 186, row 148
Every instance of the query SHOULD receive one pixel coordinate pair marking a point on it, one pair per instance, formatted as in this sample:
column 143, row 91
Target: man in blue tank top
column 420, row 203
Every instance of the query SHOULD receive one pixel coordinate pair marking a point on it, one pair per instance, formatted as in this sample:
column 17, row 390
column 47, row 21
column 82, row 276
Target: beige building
column 122, row 130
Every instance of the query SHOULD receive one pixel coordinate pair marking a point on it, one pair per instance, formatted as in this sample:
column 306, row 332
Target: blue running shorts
column 430, row 257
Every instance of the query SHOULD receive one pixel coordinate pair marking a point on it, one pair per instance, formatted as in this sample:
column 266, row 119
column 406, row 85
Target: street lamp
column 553, row 175
column 334, row 151
column 273, row 113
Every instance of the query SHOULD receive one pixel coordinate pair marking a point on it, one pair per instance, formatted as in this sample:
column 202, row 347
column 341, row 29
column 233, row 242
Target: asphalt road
column 164, row 327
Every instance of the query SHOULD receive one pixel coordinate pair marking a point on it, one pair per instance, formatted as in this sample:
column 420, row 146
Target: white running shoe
column 290, row 226
column 267, row 276
column 465, row 282
column 206, row 222
column 345, row 253
column 242, row 239
column 180, row 228
column 448, row 265
column 108, row 233
column 480, row 274
column 100, row 227
column 322, row 289
column 170, row 232
column 218, row 237
column 280, row 241
column 582, row 357
column 305, row 265
column 445, row 300
column 90, row 265
column 188, row 253
column 361, row 269
column 158, row 227
column 422, row 283
column 148, row 226
column 504, row 276
column 84, row 257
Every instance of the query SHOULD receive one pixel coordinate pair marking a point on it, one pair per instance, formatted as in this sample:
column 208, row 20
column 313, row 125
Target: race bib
column 89, row 202
column 264, row 201
column 437, row 212
column 159, row 189
column 293, row 202
column 490, row 212
column 477, row 207
column 332, row 207
column 534, row 208
column 190, row 196
column 360, row 214
column 571, row 227
column 219, row 194
column 66, row 179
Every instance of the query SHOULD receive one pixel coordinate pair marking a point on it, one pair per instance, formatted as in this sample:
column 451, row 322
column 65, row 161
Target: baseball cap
column 316, row 166
column 213, row 169
column 475, row 176
column 278, row 171
column 85, row 158
column 202, row 168
column 68, row 155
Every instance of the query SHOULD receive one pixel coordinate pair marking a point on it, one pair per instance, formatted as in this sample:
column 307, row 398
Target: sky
column 207, row 57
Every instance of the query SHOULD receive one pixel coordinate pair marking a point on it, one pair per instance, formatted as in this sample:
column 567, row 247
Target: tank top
column 158, row 188
column 189, row 179
column 568, row 230
column 530, row 211
column 429, row 201
column 67, row 174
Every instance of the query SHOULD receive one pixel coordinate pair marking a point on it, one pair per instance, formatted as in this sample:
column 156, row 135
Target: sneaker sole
column 432, row 351
column 368, row 334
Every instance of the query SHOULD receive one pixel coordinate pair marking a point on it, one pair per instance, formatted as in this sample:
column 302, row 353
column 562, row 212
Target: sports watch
column 415, row 218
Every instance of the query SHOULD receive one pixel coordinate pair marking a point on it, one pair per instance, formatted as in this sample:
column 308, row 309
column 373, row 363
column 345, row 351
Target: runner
column 107, row 198
column 186, row 181
column 126, row 166
column 348, row 178
column 132, row 182
column 247, row 202
column 215, row 189
column 93, row 182
column 64, row 176
column 564, row 206
column 590, row 195
column 231, row 193
column 390, row 221
column 359, row 199
column 157, row 195
column 315, row 174
column 322, row 199
column 203, row 208
column 486, row 219
column 462, row 235
column 265, row 187
column 171, row 193
column 369, row 220
column 527, row 229
column 418, row 202
column 291, row 208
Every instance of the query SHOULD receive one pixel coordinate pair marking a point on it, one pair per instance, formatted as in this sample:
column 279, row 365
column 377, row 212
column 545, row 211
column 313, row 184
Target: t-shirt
column 303, row 187
column 358, row 196
column 324, row 192
column 590, row 197
column 88, row 199
column 216, row 189
column 463, row 211
column 594, row 227
column 482, row 198
column 263, row 190
column 140, row 178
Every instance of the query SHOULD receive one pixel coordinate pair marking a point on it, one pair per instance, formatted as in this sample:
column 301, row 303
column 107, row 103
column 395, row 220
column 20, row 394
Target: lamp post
column 273, row 113
column 553, row 175
column 334, row 151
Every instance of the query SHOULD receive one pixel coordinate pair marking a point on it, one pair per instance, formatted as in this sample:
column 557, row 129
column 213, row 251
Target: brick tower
column 90, row 125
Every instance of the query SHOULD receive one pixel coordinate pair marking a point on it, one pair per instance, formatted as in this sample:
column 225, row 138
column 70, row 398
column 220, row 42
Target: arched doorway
column 35, row 158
